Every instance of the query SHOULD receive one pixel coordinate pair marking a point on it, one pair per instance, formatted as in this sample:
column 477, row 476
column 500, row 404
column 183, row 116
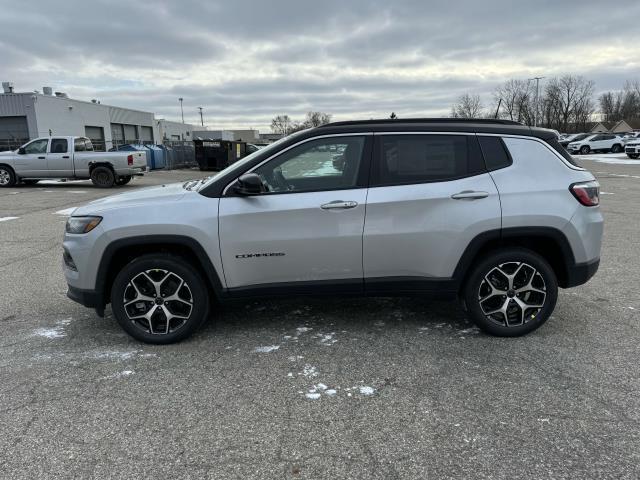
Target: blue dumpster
column 137, row 148
column 157, row 157
column 169, row 156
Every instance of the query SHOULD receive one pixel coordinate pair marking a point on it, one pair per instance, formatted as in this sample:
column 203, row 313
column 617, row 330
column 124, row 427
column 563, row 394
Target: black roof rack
column 484, row 121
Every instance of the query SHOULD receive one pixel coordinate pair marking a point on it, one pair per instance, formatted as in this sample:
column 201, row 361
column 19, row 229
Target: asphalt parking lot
column 316, row 388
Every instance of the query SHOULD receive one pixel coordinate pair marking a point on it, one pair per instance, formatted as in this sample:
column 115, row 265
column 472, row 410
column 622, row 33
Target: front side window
column 59, row 145
column 38, row 146
column 411, row 159
column 322, row 164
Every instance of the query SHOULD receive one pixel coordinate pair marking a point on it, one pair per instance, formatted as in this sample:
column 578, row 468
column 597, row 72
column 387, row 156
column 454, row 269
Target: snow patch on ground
column 66, row 211
column 327, row 339
column 301, row 330
column 267, row 349
column 367, row 390
column 615, row 159
column 115, row 355
column 56, row 331
column 310, row 371
column 124, row 373
column 6, row 219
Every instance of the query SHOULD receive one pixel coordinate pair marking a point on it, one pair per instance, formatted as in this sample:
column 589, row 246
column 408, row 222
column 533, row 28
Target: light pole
column 181, row 110
column 201, row 118
column 535, row 113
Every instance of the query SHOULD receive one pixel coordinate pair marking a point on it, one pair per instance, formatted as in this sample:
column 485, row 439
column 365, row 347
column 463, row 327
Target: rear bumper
column 131, row 171
column 581, row 273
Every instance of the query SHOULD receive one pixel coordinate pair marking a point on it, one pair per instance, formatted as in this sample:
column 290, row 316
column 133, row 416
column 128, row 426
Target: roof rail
column 489, row 121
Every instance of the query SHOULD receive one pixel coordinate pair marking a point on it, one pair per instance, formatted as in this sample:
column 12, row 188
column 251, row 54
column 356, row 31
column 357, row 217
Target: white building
column 25, row 116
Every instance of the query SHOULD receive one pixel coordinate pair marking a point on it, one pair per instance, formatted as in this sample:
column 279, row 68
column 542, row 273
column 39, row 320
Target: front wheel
column 585, row 149
column 616, row 148
column 633, row 156
column 511, row 293
column 159, row 298
column 7, row 177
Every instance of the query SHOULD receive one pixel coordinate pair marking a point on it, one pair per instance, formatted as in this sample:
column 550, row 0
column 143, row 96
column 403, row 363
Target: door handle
column 469, row 195
column 339, row 205
column 65, row 156
column 41, row 158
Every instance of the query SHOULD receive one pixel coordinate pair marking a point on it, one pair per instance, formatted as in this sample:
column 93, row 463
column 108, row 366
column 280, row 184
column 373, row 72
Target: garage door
column 12, row 128
column 146, row 134
column 96, row 135
column 130, row 133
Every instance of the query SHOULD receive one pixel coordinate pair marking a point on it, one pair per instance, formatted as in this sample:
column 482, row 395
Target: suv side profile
column 601, row 142
column 492, row 212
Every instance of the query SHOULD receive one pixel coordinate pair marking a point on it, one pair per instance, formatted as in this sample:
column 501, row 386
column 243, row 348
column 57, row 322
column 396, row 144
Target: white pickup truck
column 69, row 158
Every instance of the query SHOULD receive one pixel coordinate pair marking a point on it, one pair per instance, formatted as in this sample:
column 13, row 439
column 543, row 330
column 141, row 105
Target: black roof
column 448, row 120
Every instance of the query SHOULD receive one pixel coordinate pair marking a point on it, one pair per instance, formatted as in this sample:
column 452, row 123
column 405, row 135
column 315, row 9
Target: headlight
column 82, row 224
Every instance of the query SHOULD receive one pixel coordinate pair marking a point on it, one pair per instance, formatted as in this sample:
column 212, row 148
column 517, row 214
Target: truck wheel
column 7, row 177
column 102, row 177
column 633, row 156
column 511, row 292
column 159, row 298
column 123, row 180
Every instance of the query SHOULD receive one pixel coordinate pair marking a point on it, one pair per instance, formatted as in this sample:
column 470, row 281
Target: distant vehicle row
column 585, row 143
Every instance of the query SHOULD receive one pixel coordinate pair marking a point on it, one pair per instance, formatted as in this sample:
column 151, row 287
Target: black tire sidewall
column 177, row 265
column 108, row 171
column 585, row 150
column 12, row 177
column 510, row 255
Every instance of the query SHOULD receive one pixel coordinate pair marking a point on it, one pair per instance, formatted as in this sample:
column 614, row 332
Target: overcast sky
column 246, row 61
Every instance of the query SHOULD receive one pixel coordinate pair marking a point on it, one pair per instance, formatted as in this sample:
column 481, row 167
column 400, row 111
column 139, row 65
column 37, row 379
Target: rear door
column 59, row 158
column 305, row 232
column 430, row 196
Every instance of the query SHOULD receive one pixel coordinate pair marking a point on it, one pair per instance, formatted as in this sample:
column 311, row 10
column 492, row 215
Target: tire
column 189, row 303
column 30, row 182
column 123, row 180
column 616, row 148
column 633, row 156
column 584, row 150
column 102, row 177
column 7, row 177
column 532, row 275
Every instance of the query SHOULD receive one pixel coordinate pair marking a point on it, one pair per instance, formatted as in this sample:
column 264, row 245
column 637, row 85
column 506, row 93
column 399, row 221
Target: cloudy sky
column 246, row 61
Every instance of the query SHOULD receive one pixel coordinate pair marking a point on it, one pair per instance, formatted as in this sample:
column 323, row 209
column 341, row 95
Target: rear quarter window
column 553, row 143
column 496, row 155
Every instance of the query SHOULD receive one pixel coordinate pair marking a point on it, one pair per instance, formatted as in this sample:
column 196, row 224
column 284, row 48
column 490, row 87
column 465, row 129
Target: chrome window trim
column 360, row 134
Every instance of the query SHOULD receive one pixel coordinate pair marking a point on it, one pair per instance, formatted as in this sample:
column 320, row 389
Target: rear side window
column 495, row 153
column 553, row 143
column 79, row 145
column 408, row 159
column 59, row 145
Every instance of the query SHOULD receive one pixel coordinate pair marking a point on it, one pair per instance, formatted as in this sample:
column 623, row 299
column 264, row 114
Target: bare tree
column 281, row 124
column 315, row 119
column 568, row 103
column 515, row 100
column 467, row 106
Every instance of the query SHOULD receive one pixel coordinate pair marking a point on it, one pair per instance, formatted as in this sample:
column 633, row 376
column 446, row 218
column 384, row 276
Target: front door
column 306, row 229
column 33, row 162
column 59, row 158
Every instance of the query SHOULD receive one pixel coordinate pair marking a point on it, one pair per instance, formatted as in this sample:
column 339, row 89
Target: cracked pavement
column 316, row 388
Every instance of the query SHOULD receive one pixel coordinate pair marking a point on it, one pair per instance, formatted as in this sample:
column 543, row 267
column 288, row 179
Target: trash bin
column 157, row 157
column 137, row 148
column 218, row 154
column 169, row 156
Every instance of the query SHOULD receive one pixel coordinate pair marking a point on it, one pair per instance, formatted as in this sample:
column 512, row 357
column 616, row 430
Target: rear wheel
column 511, row 293
column 159, row 299
column 102, row 177
column 7, row 177
column 585, row 149
column 123, row 180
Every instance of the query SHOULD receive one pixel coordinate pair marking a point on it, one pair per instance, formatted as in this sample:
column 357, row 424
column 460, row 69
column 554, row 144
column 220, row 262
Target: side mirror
column 21, row 151
column 249, row 184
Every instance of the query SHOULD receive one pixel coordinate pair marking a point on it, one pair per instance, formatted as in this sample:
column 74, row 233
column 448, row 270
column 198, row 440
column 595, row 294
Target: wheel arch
column 120, row 252
column 548, row 242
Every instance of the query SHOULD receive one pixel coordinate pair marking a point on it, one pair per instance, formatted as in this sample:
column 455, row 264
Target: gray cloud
column 245, row 61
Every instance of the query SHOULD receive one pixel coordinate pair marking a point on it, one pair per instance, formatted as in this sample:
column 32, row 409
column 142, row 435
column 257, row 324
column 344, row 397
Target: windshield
column 237, row 166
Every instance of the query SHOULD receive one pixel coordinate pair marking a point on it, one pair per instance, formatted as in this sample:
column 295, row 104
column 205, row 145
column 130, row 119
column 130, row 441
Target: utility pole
column 201, row 119
column 181, row 110
column 535, row 113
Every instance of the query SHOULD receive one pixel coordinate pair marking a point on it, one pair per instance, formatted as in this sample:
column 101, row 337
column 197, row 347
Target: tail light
column 587, row 193
column 130, row 160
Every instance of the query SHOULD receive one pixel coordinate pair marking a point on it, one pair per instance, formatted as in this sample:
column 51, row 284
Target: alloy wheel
column 5, row 177
column 158, row 301
column 512, row 294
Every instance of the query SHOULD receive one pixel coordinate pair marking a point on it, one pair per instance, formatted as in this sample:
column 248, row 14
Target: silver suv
column 492, row 212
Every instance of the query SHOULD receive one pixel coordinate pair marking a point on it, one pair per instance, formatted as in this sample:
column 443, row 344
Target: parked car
column 632, row 149
column 574, row 137
column 599, row 142
column 69, row 158
column 492, row 212
column 630, row 137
